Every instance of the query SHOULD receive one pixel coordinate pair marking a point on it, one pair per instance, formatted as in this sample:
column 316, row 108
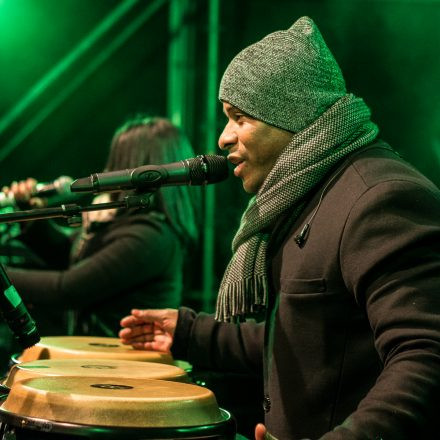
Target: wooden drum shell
column 114, row 408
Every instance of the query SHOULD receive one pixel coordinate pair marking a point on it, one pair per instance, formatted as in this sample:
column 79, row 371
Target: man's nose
column 227, row 139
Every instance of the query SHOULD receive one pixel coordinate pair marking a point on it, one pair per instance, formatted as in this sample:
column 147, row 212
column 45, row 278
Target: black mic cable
column 15, row 313
column 301, row 238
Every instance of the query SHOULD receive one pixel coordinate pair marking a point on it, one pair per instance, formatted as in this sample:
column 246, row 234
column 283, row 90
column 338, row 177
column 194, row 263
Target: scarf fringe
column 240, row 298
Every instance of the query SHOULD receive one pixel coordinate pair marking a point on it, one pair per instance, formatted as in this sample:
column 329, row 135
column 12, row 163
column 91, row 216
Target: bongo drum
column 91, row 347
column 119, row 369
column 112, row 408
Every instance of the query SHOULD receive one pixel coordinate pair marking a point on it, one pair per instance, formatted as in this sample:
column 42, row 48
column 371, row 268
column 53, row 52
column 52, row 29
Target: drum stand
column 72, row 211
column 12, row 307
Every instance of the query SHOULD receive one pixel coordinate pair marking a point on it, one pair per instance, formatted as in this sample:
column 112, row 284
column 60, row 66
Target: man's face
column 253, row 146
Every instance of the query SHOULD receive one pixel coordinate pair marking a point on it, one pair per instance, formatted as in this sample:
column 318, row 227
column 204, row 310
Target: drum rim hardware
column 224, row 428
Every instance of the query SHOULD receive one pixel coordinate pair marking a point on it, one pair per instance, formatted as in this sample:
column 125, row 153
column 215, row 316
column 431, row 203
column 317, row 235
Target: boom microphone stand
column 12, row 307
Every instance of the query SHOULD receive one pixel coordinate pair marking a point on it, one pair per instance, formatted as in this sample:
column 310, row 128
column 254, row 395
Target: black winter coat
column 351, row 344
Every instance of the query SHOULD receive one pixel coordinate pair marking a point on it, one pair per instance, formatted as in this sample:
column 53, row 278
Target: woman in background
column 121, row 258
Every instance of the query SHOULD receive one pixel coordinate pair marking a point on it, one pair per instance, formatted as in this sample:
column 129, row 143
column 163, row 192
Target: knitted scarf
column 312, row 152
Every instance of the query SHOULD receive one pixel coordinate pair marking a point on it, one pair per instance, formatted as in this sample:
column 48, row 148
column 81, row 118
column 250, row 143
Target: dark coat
column 134, row 261
column 352, row 343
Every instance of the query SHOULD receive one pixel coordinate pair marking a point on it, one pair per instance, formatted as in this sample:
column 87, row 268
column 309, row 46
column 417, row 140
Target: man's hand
column 149, row 329
column 260, row 432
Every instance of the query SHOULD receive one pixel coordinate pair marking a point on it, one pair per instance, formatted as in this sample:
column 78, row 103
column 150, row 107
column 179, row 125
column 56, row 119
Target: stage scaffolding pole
column 212, row 106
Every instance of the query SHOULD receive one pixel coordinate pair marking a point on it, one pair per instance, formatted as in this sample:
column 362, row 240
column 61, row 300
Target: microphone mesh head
column 217, row 168
column 208, row 169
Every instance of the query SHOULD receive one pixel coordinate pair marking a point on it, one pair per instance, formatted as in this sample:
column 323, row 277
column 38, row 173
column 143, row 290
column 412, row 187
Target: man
column 340, row 246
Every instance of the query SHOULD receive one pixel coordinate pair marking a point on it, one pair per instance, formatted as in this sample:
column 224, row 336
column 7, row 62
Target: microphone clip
column 300, row 239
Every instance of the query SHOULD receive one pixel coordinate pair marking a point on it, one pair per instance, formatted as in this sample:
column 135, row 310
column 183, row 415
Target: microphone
column 200, row 170
column 59, row 187
column 15, row 313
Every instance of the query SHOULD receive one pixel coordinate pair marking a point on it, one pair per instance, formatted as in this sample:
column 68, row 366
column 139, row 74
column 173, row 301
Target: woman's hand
column 22, row 193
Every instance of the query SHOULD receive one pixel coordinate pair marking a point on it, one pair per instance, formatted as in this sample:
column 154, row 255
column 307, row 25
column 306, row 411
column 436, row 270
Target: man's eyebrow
column 231, row 109
column 228, row 109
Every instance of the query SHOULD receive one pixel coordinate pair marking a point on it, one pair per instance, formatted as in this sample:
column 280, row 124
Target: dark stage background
column 63, row 92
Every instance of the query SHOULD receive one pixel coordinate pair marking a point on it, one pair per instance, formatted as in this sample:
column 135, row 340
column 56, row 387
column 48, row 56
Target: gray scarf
column 312, row 152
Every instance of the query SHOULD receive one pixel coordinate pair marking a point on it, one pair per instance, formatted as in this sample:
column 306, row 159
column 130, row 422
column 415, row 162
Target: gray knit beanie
column 288, row 79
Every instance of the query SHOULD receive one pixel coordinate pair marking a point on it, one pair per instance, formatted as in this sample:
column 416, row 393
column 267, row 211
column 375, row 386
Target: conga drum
column 117, row 369
column 90, row 347
column 111, row 408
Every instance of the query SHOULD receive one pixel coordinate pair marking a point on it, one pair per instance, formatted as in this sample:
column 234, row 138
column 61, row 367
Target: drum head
column 120, row 369
column 108, row 401
column 68, row 347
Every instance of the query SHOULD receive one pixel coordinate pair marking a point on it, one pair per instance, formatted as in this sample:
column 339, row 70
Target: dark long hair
column 144, row 140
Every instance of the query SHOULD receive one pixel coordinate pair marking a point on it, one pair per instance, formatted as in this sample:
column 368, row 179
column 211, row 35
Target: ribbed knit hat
column 287, row 79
